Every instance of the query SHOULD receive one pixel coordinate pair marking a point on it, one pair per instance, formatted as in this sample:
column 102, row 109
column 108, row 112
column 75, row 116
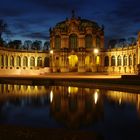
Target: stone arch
column 32, row 61
column 47, row 62
column 119, row 61
column 25, row 61
column 106, row 61
column 88, row 41
column 113, row 60
column 11, row 61
column 39, row 61
column 73, row 41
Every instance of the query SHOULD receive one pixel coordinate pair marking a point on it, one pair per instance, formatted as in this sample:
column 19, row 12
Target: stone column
column 81, row 62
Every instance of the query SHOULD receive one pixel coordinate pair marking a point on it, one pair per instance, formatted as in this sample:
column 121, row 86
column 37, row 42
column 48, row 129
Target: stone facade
column 76, row 45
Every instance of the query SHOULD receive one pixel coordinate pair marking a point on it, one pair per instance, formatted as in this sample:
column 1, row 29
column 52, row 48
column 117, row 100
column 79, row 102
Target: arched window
column 106, row 61
column 98, row 42
column 18, row 61
column 130, row 60
column 73, row 41
column 125, row 60
column 113, row 61
column 88, row 41
column 1, row 60
column 119, row 60
column 134, row 59
column 12, row 61
column 32, row 61
column 39, row 62
column 47, row 62
column 25, row 61
column 6, row 61
column 57, row 42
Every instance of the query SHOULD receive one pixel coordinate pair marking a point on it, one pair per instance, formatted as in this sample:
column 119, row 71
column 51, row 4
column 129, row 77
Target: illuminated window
column 12, row 61
column 130, row 60
column 98, row 42
column 73, row 41
column 18, row 61
column 119, row 60
column 88, row 41
column 106, row 61
column 32, row 61
column 125, row 60
column 39, row 62
column 113, row 61
column 97, row 60
column 57, row 42
column 25, row 61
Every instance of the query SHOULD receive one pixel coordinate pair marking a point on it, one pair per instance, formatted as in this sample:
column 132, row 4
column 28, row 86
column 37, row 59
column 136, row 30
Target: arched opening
column 106, row 61
column 12, row 61
column 73, row 41
column 125, row 60
column 134, row 59
column 18, row 59
column 32, row 61
column 73, row 62
column 88, row 41
column 25, row 61
column 98, row 42
column 97, row 60
column 113, row 60
column 57, row 42
column 47, row 62
column 1, row 60
column 39, row 62
column 119, row 61
column 6, row 61
column 130, row 60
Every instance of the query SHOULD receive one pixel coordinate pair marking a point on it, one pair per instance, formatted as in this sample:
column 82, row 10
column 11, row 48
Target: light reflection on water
column 65, row 106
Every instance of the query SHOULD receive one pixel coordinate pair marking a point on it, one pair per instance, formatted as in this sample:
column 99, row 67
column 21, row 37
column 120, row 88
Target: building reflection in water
column 70, row 107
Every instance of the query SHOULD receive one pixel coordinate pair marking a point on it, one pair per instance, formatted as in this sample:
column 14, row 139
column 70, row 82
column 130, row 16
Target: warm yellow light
column 72, row 89
column 96, row 51
column 96, row 97
column 97, row 60
column 51, row 51
column 51, row 96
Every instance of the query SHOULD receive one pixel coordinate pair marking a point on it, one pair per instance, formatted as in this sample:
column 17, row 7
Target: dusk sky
column 31, row 19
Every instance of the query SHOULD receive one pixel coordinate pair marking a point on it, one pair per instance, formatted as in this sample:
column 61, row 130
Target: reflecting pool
column 113, row 114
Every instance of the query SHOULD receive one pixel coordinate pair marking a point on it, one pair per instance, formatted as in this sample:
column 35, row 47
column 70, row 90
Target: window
column 32, row 61
column 2, row 60
column 88, row 41
column 113, row 61
column 18, row 61
column 25, row 61
column 12, row 61
column 98, row 42
column 6, row 61
column 106, row 61
column 73, row 41
column 125, row 60
column 134, row 59
column 119, row 60
column 130, row 60
column 39, row 62
column 57, row 42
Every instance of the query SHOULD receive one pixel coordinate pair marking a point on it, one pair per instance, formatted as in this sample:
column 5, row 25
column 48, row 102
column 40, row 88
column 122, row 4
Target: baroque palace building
column 76, row 45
